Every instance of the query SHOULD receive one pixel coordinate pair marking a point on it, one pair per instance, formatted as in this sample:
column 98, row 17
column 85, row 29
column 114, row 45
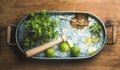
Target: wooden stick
column 39, row 49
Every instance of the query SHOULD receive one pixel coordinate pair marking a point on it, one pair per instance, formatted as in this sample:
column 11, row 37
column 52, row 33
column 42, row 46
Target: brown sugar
column 81, row 21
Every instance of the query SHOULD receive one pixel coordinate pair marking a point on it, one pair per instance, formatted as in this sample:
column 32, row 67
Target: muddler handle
column 41, row 48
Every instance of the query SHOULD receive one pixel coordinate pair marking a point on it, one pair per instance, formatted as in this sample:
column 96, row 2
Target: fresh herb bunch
column 40, row 28
column 95, row 29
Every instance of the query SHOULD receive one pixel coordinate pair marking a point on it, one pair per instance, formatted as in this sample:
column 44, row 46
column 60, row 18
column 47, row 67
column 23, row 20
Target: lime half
column 92, row 50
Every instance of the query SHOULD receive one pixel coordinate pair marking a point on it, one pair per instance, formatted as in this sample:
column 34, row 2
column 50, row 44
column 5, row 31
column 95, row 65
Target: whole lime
column 64, row 46
column 75, row 50
column 49, row 52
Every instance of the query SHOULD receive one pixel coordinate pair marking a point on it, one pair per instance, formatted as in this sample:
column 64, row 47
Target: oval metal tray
column 20, row 32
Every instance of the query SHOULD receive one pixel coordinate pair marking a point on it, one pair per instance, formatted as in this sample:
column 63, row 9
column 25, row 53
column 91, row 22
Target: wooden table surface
column 11, row 11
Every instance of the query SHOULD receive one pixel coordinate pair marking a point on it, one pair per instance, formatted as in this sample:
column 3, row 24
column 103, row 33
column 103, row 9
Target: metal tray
column 66, row 13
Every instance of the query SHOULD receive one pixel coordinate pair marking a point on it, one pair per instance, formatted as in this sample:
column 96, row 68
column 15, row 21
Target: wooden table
column 11, row 11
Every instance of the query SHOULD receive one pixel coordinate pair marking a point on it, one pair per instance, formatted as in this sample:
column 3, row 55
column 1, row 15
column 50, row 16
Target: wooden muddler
column 41, row 48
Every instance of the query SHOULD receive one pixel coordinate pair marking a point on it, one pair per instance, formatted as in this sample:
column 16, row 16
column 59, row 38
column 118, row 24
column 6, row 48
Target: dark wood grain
column 11, row 11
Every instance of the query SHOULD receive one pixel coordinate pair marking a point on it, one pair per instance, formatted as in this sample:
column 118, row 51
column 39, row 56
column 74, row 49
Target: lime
column 95, row 39
column 88, row 40
column 92, row 50
column 75, row 50
column 49, row 52
column 64, row 46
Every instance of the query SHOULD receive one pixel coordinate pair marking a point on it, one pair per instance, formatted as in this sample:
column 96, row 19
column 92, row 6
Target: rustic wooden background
column 11, row 11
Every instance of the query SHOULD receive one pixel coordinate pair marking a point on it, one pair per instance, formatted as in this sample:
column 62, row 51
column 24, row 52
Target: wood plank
column 11, row 11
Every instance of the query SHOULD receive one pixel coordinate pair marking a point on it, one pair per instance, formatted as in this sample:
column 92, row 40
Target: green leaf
column 40, row 28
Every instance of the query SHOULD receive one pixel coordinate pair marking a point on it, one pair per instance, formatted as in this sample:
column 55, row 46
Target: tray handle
column 10, row 34
column 111, row 33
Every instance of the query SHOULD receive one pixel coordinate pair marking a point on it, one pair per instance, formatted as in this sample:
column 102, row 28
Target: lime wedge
column 70, row 42
column 95, row 39
column 88, row 40
column 92, row 50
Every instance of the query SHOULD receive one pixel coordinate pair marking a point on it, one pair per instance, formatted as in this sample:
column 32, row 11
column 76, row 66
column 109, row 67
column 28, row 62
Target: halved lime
column 92, row 50
column 64, row 46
